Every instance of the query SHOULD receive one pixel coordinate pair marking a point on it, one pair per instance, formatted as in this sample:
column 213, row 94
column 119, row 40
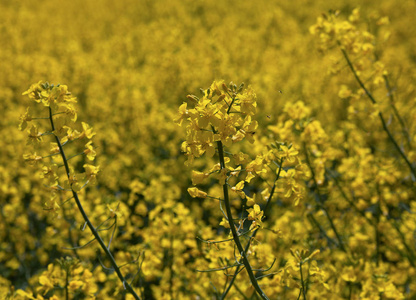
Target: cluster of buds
column 222, row 114
column 221, row 118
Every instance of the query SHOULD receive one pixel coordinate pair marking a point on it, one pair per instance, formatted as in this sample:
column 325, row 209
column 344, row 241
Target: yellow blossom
column 224, row 223
column 34, row 136
column 24, row 119
column 91, row 173
column 196, row 193
column 87, row 131
column 239, row 189
column 32, row 159
column 255, row 214
column 198, row 177
column 89, row 151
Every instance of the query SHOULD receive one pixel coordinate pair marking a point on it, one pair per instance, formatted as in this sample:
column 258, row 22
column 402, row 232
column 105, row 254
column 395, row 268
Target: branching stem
column 236, row 238
column 87, row 220
column 320, row 202
column 302, row 281
column 253, row 235
column 380, row 115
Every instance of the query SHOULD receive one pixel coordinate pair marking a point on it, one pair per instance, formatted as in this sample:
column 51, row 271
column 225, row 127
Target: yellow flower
column 248, row 102
column 289, row 154
column 256, row 166
column 54, row 147
column 198, row 177
column 251, row 200
column 34, row 91
column 75, row 284
column 72, row 134
column 183, row 113
column 27, row 295
column 74, row 183
column 24, row 119
column 240, row 158
column 344, row 92
column 255, row 214
column 69, row 110
column 196, row 193
column 90, row 152
column 87, row 130
column 249, row 176
column 91, row 173
column 348, row 274
column 46, row 283
column 239, row 136
column 239, row 189
column 249, row 128
column 49, row 173
column 34, row 136
column 32, row 159
column 236, row 171
column 224, row 223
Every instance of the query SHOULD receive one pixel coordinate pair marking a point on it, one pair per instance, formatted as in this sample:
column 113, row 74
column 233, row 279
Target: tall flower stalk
column 62, row 116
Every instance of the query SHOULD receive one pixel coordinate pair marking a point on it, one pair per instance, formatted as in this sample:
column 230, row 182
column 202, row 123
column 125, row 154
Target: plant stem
column 396, row 112
column 236, row 238
column 350, row 202
column 320, row 202
column 313, row 221
column 301, row 279
column 126, row 285
column 253, row 235
column 383, row 122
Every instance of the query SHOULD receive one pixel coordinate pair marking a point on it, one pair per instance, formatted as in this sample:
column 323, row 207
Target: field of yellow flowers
column 208, row 149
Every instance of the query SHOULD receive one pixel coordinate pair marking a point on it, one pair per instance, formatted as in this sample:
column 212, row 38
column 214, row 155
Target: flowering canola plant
column 298, row 185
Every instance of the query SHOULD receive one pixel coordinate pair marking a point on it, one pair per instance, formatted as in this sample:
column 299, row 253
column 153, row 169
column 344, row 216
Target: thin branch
column 79, row 247
column 350, row 202
column 104, row 267
column 265, row 270
column 316, row 223
column 217, row 269
column 253, row 235
column 301, row 279
column 320, row 202
column 396, row 112
column 87, row 220
column 270, row 274
column 237, row 241
column 114, row 230
column 383, row 122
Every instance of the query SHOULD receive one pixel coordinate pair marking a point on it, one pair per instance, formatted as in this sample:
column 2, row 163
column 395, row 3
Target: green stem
column 236, row 238
column 313, row 221
column 350, row 202
column 126, row 285
column 383, row 122
column 320, row 202
column 253, row 235
column 396, row 112
column 302, row 281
